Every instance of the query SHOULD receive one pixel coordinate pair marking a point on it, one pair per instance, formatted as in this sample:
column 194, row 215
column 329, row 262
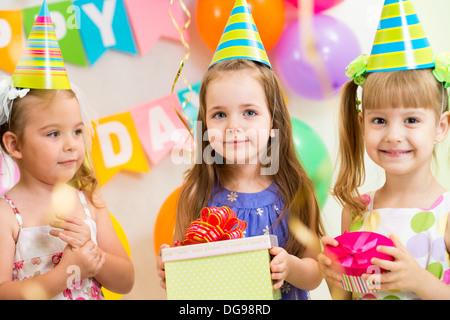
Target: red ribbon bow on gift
column 355, row 254
column 214, row 224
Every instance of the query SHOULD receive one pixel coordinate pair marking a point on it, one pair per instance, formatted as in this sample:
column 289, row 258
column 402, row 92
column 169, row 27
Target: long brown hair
column 395, row 89
column 84, row 179
column 291, row 180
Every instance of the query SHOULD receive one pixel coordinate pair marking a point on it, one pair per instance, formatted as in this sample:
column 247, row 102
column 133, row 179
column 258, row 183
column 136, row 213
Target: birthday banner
column 128, row 141
column 86, row 29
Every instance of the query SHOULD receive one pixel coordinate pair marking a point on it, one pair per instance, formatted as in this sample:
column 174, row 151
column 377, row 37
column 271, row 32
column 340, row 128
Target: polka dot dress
column 421, row 231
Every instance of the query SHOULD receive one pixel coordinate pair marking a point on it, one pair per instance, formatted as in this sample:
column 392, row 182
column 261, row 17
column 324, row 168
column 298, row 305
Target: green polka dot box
column 235, row 269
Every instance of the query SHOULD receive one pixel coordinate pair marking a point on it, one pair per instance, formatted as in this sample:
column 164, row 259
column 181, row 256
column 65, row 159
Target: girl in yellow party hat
column 56, row 235
column 247, row 159
column 400, row 119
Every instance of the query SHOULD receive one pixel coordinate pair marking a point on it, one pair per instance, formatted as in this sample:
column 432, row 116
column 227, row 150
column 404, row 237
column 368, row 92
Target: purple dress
column 260, row 210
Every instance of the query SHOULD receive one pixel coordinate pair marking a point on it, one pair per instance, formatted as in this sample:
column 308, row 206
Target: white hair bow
column 8, row 93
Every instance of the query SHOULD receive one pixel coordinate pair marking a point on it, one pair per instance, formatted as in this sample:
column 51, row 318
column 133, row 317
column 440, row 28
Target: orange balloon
column 165, row 222
column 212, row 17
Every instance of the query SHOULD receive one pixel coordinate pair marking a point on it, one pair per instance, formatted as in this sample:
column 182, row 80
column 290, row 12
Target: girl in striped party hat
column 247, row 159
column 400, row 119
column 56, row 235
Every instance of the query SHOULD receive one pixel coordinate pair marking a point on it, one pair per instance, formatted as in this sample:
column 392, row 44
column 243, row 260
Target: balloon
column 319, row 5
column 165, row 222
column 336, row 45
column 212, row 17
column 123, row 239
column 441, row 167
column 314, row 158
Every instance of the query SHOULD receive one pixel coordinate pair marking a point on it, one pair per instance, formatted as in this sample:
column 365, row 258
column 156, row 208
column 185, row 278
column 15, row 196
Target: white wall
column 135, row 199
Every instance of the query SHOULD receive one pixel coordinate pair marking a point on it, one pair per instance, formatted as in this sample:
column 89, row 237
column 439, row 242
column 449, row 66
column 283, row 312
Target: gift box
column 353, row 257
column 222, row 270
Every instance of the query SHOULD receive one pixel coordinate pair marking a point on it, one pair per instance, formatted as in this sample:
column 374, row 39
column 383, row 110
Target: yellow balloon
column 123, row 239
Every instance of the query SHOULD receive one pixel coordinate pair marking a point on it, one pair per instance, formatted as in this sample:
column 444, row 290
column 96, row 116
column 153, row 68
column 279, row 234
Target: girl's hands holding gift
column 325, row 264
column 279, row 266
column 160, row 267
column 404, row 272
column 301, row 272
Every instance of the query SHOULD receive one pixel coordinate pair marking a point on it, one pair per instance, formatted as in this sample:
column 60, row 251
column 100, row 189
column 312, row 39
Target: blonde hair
column 84, row 179
column 395, row 89
column 291, row 180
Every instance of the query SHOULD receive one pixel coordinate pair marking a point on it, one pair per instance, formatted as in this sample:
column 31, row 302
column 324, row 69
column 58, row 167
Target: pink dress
column 37, row 252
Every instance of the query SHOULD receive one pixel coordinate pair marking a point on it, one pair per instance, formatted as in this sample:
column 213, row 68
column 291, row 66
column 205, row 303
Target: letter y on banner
column 104, row 25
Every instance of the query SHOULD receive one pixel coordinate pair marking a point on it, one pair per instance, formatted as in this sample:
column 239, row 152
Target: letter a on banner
column 116, row 147
column 158, row 126
column 11, row 39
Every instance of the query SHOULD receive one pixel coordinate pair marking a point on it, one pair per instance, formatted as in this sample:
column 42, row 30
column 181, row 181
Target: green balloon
column 314, row 158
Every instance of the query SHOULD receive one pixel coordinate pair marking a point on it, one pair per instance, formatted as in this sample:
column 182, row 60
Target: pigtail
column 351, row 172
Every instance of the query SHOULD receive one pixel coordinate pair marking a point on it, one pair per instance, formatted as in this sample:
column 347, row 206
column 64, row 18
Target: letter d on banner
column 116, row 146
column 115, row 151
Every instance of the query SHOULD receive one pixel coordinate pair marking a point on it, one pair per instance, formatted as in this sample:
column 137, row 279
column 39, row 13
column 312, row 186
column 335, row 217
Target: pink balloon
column 319, row 5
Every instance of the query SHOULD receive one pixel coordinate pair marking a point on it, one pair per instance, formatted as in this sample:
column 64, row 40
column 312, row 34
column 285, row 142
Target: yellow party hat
column 400, row 42
column 240, row 39
column 41, row 65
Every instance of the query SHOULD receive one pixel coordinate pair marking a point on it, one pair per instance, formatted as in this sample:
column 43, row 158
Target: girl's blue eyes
column 250, row 113
column 222, row 115
column 219, row 115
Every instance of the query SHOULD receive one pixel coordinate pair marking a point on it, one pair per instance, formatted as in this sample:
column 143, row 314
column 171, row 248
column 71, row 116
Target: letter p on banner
column 11, row 39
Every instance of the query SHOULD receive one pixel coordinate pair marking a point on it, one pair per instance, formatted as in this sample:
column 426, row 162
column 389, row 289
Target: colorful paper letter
column 150, row 20
column 190, row 109
column 104, row 25
column 116, row 147
column 64, row 17
column 157, row 124
column 11, row 40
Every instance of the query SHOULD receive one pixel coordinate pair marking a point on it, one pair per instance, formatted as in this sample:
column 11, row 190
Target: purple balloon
column 337, row 46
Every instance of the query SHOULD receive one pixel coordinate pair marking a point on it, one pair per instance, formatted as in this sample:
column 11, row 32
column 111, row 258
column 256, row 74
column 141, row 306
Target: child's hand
column 160, row 267
column 404, row 271
column 325, row 263
column 279, row 266
column 74, row 231
column 89, row 258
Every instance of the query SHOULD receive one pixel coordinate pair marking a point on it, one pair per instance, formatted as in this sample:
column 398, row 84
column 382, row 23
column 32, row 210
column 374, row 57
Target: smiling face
column 402, row 120
column 51, row 147
column 237, row 117
column 400, row 140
